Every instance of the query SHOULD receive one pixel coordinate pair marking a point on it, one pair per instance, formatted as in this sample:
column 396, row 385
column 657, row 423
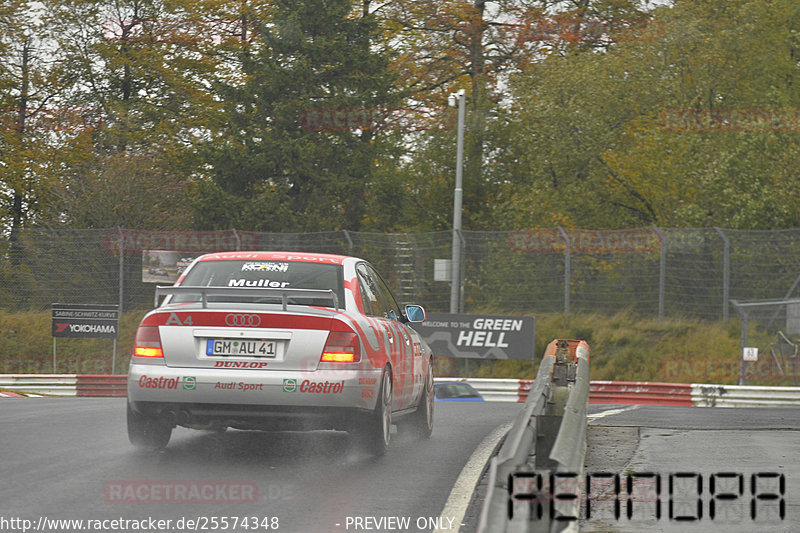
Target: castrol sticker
column 324, row 387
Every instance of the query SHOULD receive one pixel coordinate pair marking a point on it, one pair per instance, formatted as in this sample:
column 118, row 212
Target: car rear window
column 265, row 274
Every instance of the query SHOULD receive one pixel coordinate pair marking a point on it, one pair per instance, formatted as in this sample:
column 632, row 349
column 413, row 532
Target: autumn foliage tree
column 297, row 143
column 308, row 115
column 689, row 122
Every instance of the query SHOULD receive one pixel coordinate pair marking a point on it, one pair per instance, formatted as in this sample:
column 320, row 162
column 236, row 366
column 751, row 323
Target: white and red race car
column 279, row 340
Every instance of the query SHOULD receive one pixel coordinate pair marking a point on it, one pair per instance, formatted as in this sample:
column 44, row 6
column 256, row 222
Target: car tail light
column 342, row 347
column 148, row 342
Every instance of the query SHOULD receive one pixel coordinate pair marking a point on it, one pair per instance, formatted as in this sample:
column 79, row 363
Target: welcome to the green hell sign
column 479, row 336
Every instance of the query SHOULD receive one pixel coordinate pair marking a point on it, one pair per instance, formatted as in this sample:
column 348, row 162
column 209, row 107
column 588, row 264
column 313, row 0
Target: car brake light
column 342, row 347
column 148, row 342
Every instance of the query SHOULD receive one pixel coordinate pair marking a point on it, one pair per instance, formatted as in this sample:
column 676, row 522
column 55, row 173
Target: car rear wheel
column 148, row 432
column 375, row 432
column 422, row 419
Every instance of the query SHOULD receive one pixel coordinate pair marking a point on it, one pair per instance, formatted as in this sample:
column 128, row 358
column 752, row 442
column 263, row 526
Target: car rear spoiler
column 284, row 294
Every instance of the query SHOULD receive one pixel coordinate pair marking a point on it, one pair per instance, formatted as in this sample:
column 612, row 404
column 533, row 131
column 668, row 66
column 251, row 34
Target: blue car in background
column 456, row 391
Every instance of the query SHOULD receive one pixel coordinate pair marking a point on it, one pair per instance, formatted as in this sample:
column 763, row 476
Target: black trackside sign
column 86, row 320
column 479, row 336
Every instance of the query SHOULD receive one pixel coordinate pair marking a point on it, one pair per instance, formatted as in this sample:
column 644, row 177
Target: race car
column 279, row 340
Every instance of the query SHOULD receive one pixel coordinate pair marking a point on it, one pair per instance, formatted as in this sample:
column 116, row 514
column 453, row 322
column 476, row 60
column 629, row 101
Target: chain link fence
column 646, row 271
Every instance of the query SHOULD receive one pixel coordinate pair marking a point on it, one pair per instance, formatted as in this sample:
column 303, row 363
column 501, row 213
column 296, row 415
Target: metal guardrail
column 102, row 386
column 47, row 384
column 498, row 390
column 744, row 396
column 70, row 385
column 640, row 393
column 649, row 393
column 548, row 435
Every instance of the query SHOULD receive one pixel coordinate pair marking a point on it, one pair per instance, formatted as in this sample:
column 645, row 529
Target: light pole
column 455, row 287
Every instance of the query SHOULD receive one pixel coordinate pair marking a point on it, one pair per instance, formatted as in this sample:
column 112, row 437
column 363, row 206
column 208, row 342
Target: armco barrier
column 640, row 393
column 100, row 385
column 48, row 384
column 81, row 385
column 497, row 390
column 744, row 396
column 549, row 433
column 649, row 393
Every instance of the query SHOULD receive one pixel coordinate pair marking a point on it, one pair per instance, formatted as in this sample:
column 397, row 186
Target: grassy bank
column 27, row 346
column 624, row 347
column 629, row 348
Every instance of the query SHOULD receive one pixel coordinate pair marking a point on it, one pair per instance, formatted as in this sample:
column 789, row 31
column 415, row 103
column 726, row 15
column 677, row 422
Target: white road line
column 458, row 501
column 612, row 412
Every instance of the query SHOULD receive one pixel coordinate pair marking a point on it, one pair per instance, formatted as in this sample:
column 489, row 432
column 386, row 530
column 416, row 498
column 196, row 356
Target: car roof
column 303, row 257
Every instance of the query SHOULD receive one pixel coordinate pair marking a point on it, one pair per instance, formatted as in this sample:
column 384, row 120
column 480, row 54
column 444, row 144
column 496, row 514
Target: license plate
column 243, row 348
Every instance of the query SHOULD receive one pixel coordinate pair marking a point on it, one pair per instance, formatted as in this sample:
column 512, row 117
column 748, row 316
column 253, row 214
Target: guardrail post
column 563, row 369
column 548, row 423
column 552, row 428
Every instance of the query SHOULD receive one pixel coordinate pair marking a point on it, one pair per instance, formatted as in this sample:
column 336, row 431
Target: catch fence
column 646, row 271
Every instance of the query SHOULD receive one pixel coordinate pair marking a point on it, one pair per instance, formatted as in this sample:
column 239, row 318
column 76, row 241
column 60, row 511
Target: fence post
column 349, row 242
column 662, row 272
column 745, row 324
column 238, row 239
column 726, row 273
column 121, row 268
column 567, row 268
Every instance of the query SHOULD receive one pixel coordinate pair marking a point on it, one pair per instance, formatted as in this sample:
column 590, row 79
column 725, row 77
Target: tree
column 146, row 65
column 481, row 46
column 125, row 190
column 36, row 133
column 144, row 68
column 301, row 133
column 663, row 129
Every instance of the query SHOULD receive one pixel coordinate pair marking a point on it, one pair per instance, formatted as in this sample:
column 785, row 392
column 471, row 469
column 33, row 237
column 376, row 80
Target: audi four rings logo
column 243, row 321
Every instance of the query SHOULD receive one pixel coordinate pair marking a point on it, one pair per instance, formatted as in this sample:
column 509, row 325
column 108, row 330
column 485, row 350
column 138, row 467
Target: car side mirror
column 415, row 313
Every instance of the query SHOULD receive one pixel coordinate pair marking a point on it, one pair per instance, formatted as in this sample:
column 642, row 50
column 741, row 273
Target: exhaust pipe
column 179, row 418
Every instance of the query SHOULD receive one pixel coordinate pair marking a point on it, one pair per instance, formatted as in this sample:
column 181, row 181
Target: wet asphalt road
column 69, row 458
column 747, row 452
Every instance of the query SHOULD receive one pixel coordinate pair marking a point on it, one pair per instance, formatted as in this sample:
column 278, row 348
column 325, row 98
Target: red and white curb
column 10, row 394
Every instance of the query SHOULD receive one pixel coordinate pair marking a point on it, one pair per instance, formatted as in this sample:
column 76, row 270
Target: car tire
column 375, row 432
column 422, row 419
column 148, row 432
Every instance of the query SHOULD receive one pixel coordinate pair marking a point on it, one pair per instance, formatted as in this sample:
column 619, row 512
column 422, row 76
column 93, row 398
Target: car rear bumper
column 247, row 416
column 269, row 393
